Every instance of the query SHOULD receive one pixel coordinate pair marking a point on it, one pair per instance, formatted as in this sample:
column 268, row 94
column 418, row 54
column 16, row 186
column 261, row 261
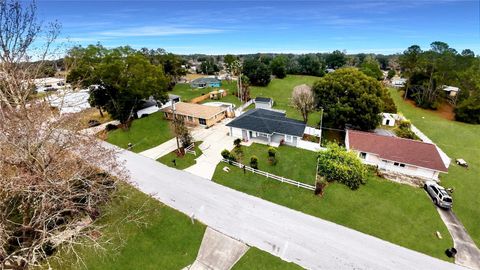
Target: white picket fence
column 269, row 175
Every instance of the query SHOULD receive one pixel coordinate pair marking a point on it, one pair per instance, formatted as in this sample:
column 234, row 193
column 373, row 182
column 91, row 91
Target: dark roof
column 406, row 151
column 263, row 99
column 267, row 121
column 206, row 80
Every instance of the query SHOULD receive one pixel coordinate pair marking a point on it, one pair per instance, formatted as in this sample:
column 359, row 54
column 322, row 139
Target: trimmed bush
column 237, row 142
column 272, row 152
column 225, row 154
column 254, row 162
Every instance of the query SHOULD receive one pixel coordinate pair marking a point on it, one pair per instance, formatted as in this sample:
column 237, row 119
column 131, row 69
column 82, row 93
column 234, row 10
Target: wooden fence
column 269, row 175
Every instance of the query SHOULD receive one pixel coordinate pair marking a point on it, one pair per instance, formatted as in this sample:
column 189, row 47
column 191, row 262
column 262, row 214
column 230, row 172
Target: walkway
column 467, row 252
column 308, row 241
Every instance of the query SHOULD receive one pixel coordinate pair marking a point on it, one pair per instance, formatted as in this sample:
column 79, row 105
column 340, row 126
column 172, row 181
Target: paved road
column 467, row 252
column 310, row 242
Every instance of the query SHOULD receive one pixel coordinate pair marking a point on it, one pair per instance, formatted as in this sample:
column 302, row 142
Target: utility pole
column 321, row 131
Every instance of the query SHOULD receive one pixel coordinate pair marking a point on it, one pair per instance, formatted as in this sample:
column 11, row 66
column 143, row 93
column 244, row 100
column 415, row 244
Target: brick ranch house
column 196, row 114
column 397, row 157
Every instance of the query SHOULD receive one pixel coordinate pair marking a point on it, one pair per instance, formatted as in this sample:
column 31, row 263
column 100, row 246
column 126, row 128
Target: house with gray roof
column 206, row 82
column 267, row 126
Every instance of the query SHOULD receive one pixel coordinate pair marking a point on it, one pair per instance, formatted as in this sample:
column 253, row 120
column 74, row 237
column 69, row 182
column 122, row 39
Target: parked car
column 438, row 194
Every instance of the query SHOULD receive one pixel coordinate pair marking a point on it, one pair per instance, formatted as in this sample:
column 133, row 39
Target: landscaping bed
column 181, row 162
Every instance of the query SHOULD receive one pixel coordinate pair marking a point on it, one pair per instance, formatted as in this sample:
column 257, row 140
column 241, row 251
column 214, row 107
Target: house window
column 396, row 164
column 288, row 138
column 190, row 119
column 363, row 155
column 402, row 165
column 202, row 121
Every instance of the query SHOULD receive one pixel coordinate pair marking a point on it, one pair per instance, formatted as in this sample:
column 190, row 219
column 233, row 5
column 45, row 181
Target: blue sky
column 218, row 27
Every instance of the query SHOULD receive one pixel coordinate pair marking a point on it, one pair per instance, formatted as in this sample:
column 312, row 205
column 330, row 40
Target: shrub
column 237, row 142
column 272, row 160
column 403, row 130
column 225, row 154
column 468, row 111
column 254, row 162
column 272, row 152
column 110, row 127
column 336, row 164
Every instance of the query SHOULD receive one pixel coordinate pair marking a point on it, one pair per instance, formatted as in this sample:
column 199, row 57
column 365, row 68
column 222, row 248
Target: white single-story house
column 451, row 90
column 399, row 82
column 267, row 126
column 392, row 154
column 263, row 103
column 388, row 119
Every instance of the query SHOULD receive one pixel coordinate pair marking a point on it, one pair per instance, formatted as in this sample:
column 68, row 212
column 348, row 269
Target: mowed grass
column 186, row 92
column 167, row 240
column 397, row 213
column 145, row 133
column 457, row 140
column 281, row 92
column 301, row 170
column 261, row 260
column 181, row 162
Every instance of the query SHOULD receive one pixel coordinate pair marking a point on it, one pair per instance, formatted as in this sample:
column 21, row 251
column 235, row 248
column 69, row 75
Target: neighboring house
column 267, row 126
column 452, row 91
column 397, row 156
column 263, row 103
column 196, row 114
column 399, row 82
column 388, row 119
column 206, row 82
column 151, row 105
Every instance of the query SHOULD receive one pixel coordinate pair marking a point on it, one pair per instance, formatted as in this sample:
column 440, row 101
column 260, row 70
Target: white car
column 438, row 194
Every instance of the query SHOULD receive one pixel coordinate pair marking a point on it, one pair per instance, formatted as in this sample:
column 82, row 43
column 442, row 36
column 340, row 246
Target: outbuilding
column 263, row 103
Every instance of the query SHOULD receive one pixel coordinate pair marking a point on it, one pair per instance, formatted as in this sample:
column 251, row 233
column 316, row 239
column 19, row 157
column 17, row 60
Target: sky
column 220, row 27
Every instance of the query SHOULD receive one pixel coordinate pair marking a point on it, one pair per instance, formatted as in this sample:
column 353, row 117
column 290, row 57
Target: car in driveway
column 439, row 195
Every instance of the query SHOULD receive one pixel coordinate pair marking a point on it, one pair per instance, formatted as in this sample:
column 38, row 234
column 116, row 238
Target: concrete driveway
column 215, row 139
column 467, row 252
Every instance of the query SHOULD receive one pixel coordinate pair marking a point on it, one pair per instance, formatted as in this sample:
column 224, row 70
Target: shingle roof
column 266, row 121
column 263, row 99
column 195, row 110
column 206, row 80
column 406, row 151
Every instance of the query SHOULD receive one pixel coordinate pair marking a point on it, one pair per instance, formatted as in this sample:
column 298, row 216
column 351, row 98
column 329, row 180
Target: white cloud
column 156, row 31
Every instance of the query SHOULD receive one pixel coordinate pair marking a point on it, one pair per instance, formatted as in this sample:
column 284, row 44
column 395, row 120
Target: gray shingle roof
column 266, row 121
column 206, row 80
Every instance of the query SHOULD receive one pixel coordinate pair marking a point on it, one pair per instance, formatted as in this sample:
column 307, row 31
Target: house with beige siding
column 196, row 114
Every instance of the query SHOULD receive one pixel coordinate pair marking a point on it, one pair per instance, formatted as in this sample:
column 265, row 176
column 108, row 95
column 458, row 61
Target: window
column 399, row 164
column 402, row 165
column 396, row 164
column 202, row 121
column 363, row 155
column 288, row 138
column 190, row 119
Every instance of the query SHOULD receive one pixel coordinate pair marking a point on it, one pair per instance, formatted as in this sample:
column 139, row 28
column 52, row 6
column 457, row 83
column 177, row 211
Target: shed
column 263, row 103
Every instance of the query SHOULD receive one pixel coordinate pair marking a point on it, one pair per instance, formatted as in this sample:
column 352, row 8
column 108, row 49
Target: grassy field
column 281, row 91
column 287, row 162
column 457, row 140
column 144, row 133
column 169, row 240
column 397, row 213
column 182, row 162
column 261, row 260
column 185, row 91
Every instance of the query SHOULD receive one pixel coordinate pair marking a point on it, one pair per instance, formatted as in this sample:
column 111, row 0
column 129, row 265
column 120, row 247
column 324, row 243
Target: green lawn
column 229, row 99
column 397, row 213
column 261, row 260
column 145, row 133
column 187, row 93
column 281, row 91
column 169, row 240
column 303, row 171
column 457, row 140
column 182, row 162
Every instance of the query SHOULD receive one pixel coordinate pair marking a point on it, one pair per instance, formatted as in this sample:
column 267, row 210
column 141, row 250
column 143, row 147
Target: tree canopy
column 336, row 59
column 371, row 67
column 348, row 96
column 278, row 65
column 257, row 72
column 122, row 76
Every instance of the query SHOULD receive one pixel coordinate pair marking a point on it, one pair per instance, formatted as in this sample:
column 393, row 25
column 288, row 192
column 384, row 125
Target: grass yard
column 187, row 93
column 182, row 162
column 145, row 133
column 457, row 140
column 397, row 213
column 261, row 260
column 169, row 240
column 288, row 162
column 281, row 91
column 229, row 99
